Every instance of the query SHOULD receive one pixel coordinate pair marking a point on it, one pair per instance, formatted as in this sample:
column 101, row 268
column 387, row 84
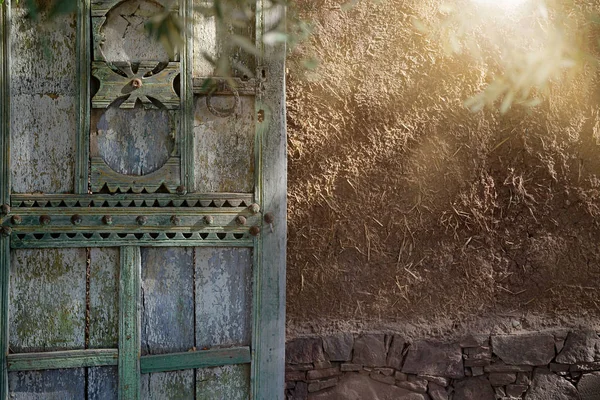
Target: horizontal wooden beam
column 195, row 359
column 62, row 359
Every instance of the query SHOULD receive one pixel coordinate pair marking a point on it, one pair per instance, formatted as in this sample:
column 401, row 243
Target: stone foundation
column 383, row 366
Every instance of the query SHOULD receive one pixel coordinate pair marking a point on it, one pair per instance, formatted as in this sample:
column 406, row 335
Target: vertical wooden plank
column 102, row 383
column 167, row 300
column 129, row 324
column 224, row 146
column 104, row 298
column 231, row 382
column 270, row 250
column 4, row 301
column 44, row 103
column 47, row 300
column 58, row 384
column 223, row 296
column 84, row 73
column 187, row 101
column 167, row 317
column 176, row 385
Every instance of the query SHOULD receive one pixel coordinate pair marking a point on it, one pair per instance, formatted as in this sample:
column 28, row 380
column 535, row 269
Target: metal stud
column 45, row 220
column 76, row 219
column 254, row 230
column 254, row 208
column 5, row 209
column 175, row 220
column 181, row 190
column 16, row 220
column 269, row 218
column 136, row 83
column 107, row 220
column 142, row 220
column 5, row 231
column 209, row 220
column 240, row 220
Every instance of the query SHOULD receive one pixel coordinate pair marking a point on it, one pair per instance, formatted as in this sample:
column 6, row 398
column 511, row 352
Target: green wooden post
column 129, row 324
column 4, row 190
column 187, row 100
column 270, row 249
column 82, row 150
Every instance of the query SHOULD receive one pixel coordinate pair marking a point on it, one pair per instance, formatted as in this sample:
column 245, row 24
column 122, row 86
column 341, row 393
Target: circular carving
column 224, row 112
column 135, row 141
column 136, row 83
column 124, row 35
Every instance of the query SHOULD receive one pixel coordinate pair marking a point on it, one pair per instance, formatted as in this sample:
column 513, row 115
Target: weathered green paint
column 47, row 300
column 268, row 361
column 177, row 385
column 187, row 102
column 44, row 103
column 204, row 200
column 4, row 305
column 129, row 324
column 113, row 85
column 195, row 359
column 62, row 359
column 223, row 297
column 104, row 298
column 83, row 72
column 231, row 382
column 58, row 384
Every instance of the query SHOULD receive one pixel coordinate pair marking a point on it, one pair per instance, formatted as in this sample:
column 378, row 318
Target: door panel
column 44, row 104
column 103, row 298
column 230, row 382
column 58, row 384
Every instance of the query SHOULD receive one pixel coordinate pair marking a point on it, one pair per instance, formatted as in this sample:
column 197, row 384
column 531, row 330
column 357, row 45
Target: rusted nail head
column 76, row 219
column 6, row 230
column 181, row 190
column 16, row 220
column 269, row 218
column 254, row 208
column 254, row 230
column 175, row 220
column 5, row 209
column 208, row 220
column 142, row 220
column 107, row 220
column 136, row 83
column 45, row 220
column 241, row 220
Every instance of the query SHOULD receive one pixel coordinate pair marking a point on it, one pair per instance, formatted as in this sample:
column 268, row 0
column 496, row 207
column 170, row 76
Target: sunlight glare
column 505, row 4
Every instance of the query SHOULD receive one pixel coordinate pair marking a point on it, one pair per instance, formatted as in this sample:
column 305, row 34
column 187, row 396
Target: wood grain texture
column 195, row 359
column 4, row 307
column 231, row 382
column 104, row 298
column 167, row 300
column 167, row 317
column 62, row 359
column 129, row 324
column 44, row 104
column 123, row 34
column 59, row 384
column 224, row 147
column 177, row 385
column 102, row 383
column 270, row 251
column 223, row 297
column 47, row 293
column 135, row 141
column 84, row 58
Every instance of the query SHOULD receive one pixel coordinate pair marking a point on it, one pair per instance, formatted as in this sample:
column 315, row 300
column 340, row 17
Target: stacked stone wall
column 557, row 365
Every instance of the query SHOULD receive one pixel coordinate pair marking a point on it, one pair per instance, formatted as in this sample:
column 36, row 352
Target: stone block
column 437, row 392
column 304, row 351
column 361, row 387
column 419, row 386
column 516, row 391
column 322, row 365
column 523, row 378
column 350, row 367
column 395, row 354
column 338, row 347
column 369, row 350
column 475, row 341
column 589, row 386
column 322, row 373
column 295, row 376
column 477, row 371
column 529, row 349
column 399, row 376
column 580, row 347
column 547, row 385
column 385, row 371
column 474, row 389
column 438, row 380
column 501, row 378
column 300, row 392
column 382, row 378
column 433, row 358
column 502, row 367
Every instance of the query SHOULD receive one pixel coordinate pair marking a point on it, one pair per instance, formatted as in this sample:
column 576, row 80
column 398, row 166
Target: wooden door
column 142, row 246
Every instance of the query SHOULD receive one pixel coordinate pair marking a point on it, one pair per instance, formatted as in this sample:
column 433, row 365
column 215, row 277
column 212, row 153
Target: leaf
column 274, row 37
column 245, row 44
